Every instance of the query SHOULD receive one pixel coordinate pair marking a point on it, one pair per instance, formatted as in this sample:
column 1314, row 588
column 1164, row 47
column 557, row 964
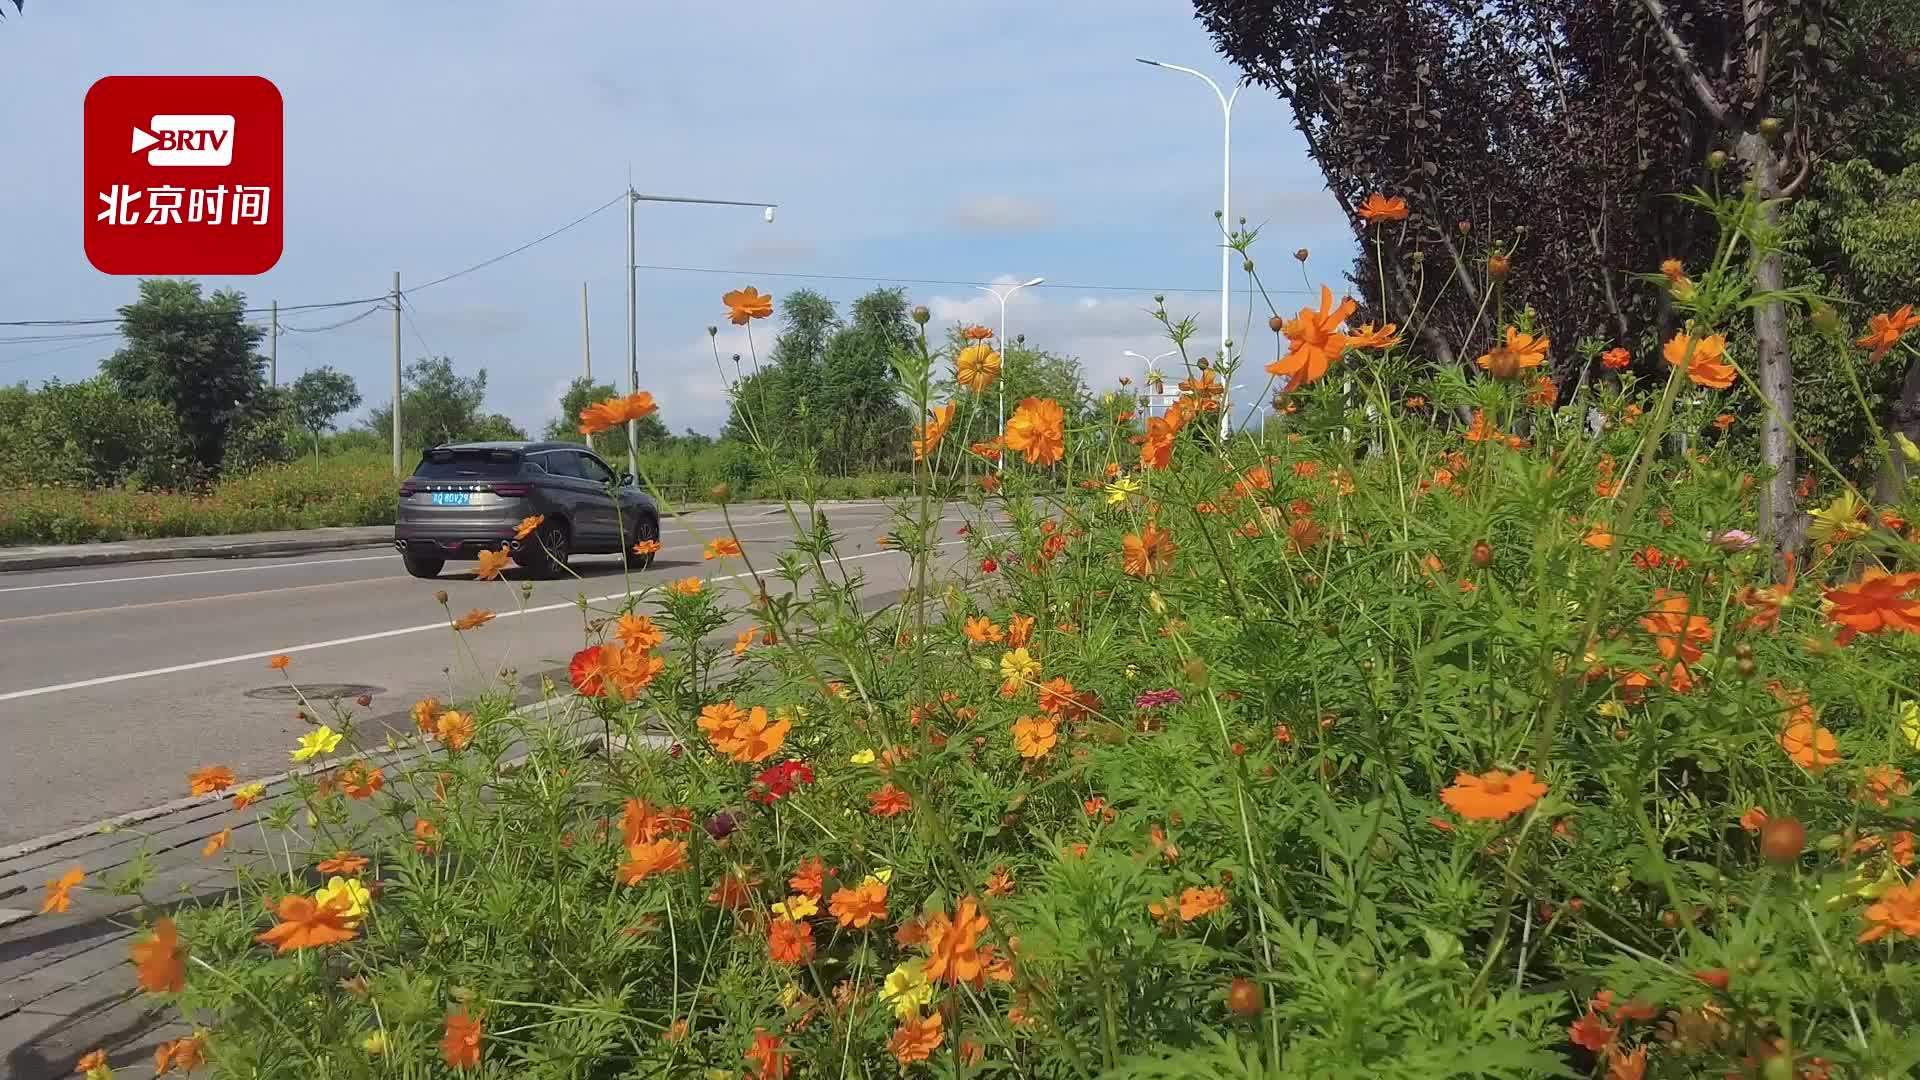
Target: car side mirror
column 627, row 480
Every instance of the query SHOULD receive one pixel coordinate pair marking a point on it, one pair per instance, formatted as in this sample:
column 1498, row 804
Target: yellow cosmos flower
column 907, row 988
column 1019, row 666
column 320, row 740
column 354, row 898
column 375, row 1044
column 1910, row 722
column 1121, row 490
column 798, row 906
column 864, row 757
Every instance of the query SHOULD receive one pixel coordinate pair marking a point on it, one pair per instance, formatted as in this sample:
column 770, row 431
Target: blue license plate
column 451, row 498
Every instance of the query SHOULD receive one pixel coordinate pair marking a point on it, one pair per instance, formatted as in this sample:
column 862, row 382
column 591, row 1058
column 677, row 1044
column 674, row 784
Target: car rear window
column 468, row 465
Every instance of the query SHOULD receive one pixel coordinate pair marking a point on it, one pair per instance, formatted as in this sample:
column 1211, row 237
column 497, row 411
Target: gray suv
column 469, row 497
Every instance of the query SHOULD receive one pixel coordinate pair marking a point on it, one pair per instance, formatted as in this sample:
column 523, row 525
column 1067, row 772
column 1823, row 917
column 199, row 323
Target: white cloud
column 1001, row 213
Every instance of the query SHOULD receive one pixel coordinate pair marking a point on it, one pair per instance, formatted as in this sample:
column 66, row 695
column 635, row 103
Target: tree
column 319, row 396
column 438, row 406
column 1556, row 131
column 612, row 445
column 195, row 357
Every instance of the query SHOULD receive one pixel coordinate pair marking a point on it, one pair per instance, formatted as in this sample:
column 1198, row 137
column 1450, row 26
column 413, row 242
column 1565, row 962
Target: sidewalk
column 233, row 545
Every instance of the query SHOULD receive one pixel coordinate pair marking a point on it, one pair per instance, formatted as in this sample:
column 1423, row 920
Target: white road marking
column 377, row 635
column 195, row 573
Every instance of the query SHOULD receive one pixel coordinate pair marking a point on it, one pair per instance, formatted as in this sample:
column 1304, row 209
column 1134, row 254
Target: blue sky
column 976, row 142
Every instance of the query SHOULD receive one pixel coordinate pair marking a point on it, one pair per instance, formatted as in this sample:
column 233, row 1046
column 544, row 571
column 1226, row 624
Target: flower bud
column 1219, row 215
column 1824, row 318
column 1717, row 160
column 712, row 331
column 1482, row 555
column 1244, row 998
column 721, row 492
column 363, row 700
column 1247, row 265
column 1782, row 839
column 1159, row 298
column 1203, row 363
column 1907, row 449
column 1196, row 671
column 1276, row 324
column 1301, row 254
column 1417, row 258
column 1770, row 129
column 1497, row 266
column 1464, row 226
column 440, row 597
column 921, row 314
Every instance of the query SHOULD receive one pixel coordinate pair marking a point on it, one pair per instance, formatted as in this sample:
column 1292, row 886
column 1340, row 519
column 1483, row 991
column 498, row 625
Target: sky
column 979, row 142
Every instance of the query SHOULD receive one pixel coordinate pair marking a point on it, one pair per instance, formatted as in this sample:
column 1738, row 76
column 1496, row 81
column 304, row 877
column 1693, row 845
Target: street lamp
column 1002, row 297
column 1153, row 364
column 633, row 347
column 1226, row 193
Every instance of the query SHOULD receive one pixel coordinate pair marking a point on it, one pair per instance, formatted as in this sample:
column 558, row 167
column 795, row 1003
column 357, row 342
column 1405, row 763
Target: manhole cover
column 324, row 691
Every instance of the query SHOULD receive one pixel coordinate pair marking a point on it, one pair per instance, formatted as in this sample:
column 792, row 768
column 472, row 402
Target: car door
column 568, row 493
column 597, row 519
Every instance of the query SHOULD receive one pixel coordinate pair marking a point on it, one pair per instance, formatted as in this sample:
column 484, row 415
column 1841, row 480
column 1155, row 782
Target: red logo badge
column 184, row 174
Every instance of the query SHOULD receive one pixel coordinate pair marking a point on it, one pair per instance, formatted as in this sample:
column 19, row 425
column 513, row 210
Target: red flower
column 778, row 782
column 988, row 566
column 588, row 671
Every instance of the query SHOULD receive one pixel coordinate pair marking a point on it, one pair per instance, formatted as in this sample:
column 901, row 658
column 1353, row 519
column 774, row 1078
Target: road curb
column 193, row 547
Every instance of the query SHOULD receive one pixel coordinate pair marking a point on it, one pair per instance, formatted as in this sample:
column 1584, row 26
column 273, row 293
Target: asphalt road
column 117, row 681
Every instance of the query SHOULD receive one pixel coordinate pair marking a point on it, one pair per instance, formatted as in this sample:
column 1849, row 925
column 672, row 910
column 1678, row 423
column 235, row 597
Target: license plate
column 451, row 498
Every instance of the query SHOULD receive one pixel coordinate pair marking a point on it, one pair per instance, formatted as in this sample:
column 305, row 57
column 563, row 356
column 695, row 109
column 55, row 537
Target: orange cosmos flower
column 752, row 737
column 1896, row 911
column 724, row 547
column 1883, row 782
column 1199, row 902
column 1147, row 553
column 976, row 368
column 1810, row 745
column 1616, row 359
column 279, row 662
column 596, row 418
column 976, row 333
column 861, row 904
column 917, row 1038
column 687, row 586
column 953, row 943
column 1708, row 366
column 934, row 430
column 638, row 632
column 160, row 962
column 810, row 877
column 460, row 1043
column 1493, row 795
column 60, row 891
column 1380, row 208
column 216, row 843
column 306, row 924
column 94, row 1062
column 527, row 526
column 789, row 942
column 745, row 305
column 1156, row 449
column 1386, row 337
column 473, row 620
column 1000, row 882
column 185, row 1054
column 1315, row 340
column 1885, row 330
column 454, row 729
column 1034, row 736
column 210, row 779
column 489, row 564
column 889, row 801
column 1037, row 429
column 982, row 631
column 1877, row 602
column 1019, row 631
column 1518, row 352
column 649, row 858
column 647, row 547
column 1676, row 633
column 425, row 712
column 424, row 834
column 767, row 1058
column 1482, row 429
column 343, row 862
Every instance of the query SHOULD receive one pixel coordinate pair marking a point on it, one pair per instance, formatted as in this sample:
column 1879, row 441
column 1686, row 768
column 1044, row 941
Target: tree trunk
column 1780, row 515
column 1903, row 419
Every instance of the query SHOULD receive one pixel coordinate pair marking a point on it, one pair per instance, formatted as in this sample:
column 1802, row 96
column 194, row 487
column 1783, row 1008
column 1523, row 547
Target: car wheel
column 545, row 552
column 647, row 530
column 422, row 566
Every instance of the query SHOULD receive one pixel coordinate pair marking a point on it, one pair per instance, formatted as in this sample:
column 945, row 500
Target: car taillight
column 512, row 491
column 407, row 488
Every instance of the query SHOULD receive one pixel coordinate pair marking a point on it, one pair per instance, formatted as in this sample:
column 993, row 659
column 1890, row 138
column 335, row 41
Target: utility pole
column 273, row 348
column 586, row 331
column 633, row 352
column 396, row 373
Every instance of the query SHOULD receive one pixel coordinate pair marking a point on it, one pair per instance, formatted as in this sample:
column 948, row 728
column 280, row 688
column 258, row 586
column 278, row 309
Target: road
column 117, row 681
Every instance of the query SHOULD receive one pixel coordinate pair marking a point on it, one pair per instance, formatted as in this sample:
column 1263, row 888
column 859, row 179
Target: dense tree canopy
column 195, row 356
column 438, row 406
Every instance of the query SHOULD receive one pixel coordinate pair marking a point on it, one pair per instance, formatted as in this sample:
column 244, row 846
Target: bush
column 87, row 433
column 1472, row 755
column 341, row 490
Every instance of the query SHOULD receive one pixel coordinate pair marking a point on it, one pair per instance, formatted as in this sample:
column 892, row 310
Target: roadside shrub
column 1395, row 746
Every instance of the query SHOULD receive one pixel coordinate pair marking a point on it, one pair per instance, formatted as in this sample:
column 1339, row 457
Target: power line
column 373, row 310
column 934, row 281
column 489, row 262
